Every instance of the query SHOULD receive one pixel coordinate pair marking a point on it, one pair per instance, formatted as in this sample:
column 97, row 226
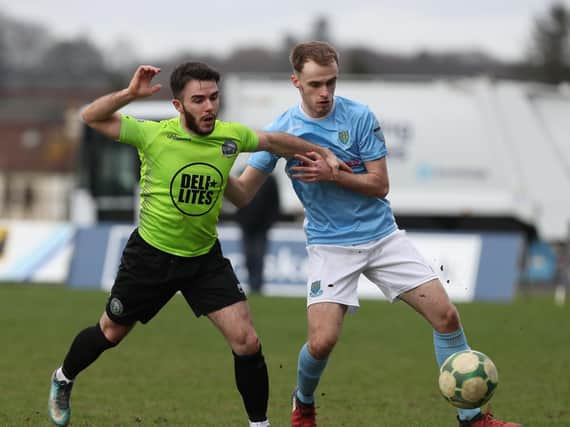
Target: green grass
column 178, row 371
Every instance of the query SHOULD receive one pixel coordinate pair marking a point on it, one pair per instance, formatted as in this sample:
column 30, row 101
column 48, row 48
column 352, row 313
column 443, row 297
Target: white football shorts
column 392, row 263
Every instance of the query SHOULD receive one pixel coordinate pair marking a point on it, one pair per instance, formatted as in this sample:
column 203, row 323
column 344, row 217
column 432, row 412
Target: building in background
column 39, row 137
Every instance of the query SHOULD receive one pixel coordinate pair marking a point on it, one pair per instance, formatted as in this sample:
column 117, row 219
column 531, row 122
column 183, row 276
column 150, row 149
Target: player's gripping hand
column 315, row 168
column 334, row 163
column 140, row 85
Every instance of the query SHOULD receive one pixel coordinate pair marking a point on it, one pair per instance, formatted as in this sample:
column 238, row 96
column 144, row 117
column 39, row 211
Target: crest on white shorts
column 316, row 290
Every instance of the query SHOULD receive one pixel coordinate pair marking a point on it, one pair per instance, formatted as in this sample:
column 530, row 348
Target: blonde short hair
column 320, row 52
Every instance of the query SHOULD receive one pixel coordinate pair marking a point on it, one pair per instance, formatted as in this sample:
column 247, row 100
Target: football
column 468, row 379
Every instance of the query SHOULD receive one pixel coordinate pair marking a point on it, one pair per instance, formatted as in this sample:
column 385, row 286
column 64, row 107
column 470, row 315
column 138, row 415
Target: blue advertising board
column 472, row 266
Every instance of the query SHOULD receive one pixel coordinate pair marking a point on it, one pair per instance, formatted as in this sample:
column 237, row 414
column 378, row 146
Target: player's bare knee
column 252, row 343
column 246, row 343
column 114, row 332
column 321, row 347
column 448, row 320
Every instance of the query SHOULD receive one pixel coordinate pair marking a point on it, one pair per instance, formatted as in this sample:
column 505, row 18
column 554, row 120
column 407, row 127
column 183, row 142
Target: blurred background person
column 255, row 220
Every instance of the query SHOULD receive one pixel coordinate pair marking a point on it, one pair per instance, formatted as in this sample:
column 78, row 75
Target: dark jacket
column 260, row 214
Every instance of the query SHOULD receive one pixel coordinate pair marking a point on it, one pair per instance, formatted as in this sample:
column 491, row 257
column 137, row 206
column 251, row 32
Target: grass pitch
column 178, row 371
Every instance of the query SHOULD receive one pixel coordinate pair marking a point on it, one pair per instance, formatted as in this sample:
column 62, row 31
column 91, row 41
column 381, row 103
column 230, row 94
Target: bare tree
column 74, row 61
column 550, row 48
column 22, row 43
column 321, row 30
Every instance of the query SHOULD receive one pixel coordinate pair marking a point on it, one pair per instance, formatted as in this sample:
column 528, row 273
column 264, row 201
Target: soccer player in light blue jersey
column 349, row 225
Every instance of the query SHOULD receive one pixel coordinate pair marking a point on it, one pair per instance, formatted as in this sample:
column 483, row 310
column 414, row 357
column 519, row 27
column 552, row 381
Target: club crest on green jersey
column 344, row 136
column 229, row 148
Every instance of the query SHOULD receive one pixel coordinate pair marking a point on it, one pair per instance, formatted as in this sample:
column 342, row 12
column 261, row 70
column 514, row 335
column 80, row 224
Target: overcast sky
column 161, row 28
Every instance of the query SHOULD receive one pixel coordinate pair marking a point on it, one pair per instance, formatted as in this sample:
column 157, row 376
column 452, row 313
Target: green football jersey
column 183, row 178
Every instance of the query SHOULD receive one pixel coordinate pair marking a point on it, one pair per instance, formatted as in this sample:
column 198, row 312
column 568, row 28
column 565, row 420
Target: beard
column 192, row 124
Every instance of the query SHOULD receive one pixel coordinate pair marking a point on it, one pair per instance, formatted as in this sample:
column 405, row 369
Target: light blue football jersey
column 334, row 215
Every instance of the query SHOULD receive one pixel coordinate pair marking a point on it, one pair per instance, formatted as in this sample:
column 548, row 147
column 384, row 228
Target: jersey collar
column 320, row 119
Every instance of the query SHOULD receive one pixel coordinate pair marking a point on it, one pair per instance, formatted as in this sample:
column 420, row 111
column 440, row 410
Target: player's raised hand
column 141, row 82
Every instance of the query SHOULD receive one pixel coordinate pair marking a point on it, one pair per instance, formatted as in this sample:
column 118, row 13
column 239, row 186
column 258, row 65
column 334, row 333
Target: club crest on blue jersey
column 316, row 290
column 344, row 136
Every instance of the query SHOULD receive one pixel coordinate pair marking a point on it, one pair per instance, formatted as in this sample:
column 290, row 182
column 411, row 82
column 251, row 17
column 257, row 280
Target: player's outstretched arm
column 287, row 145
column 102, row 114
column 374, row 182
column 240, row 191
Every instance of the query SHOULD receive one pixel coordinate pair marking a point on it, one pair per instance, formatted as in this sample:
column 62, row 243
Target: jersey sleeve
column 248, row 139
column 371, row 140
column 136, row 132
column 263, row 160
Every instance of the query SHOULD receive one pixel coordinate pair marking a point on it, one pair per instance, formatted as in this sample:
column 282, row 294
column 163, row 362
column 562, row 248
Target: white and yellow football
column 468, row 379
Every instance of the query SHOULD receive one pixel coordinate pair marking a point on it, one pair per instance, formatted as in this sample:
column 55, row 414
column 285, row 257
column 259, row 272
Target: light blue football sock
column 309, row 371
column 445, row 344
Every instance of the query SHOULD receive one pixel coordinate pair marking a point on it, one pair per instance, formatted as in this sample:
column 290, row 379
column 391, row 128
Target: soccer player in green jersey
column 185, row 163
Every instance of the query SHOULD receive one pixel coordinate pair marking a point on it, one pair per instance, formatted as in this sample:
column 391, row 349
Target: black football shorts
column 148, row 278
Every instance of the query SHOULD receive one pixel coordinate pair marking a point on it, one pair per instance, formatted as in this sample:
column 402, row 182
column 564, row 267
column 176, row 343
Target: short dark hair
column 188, row 71
column 320, row 52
